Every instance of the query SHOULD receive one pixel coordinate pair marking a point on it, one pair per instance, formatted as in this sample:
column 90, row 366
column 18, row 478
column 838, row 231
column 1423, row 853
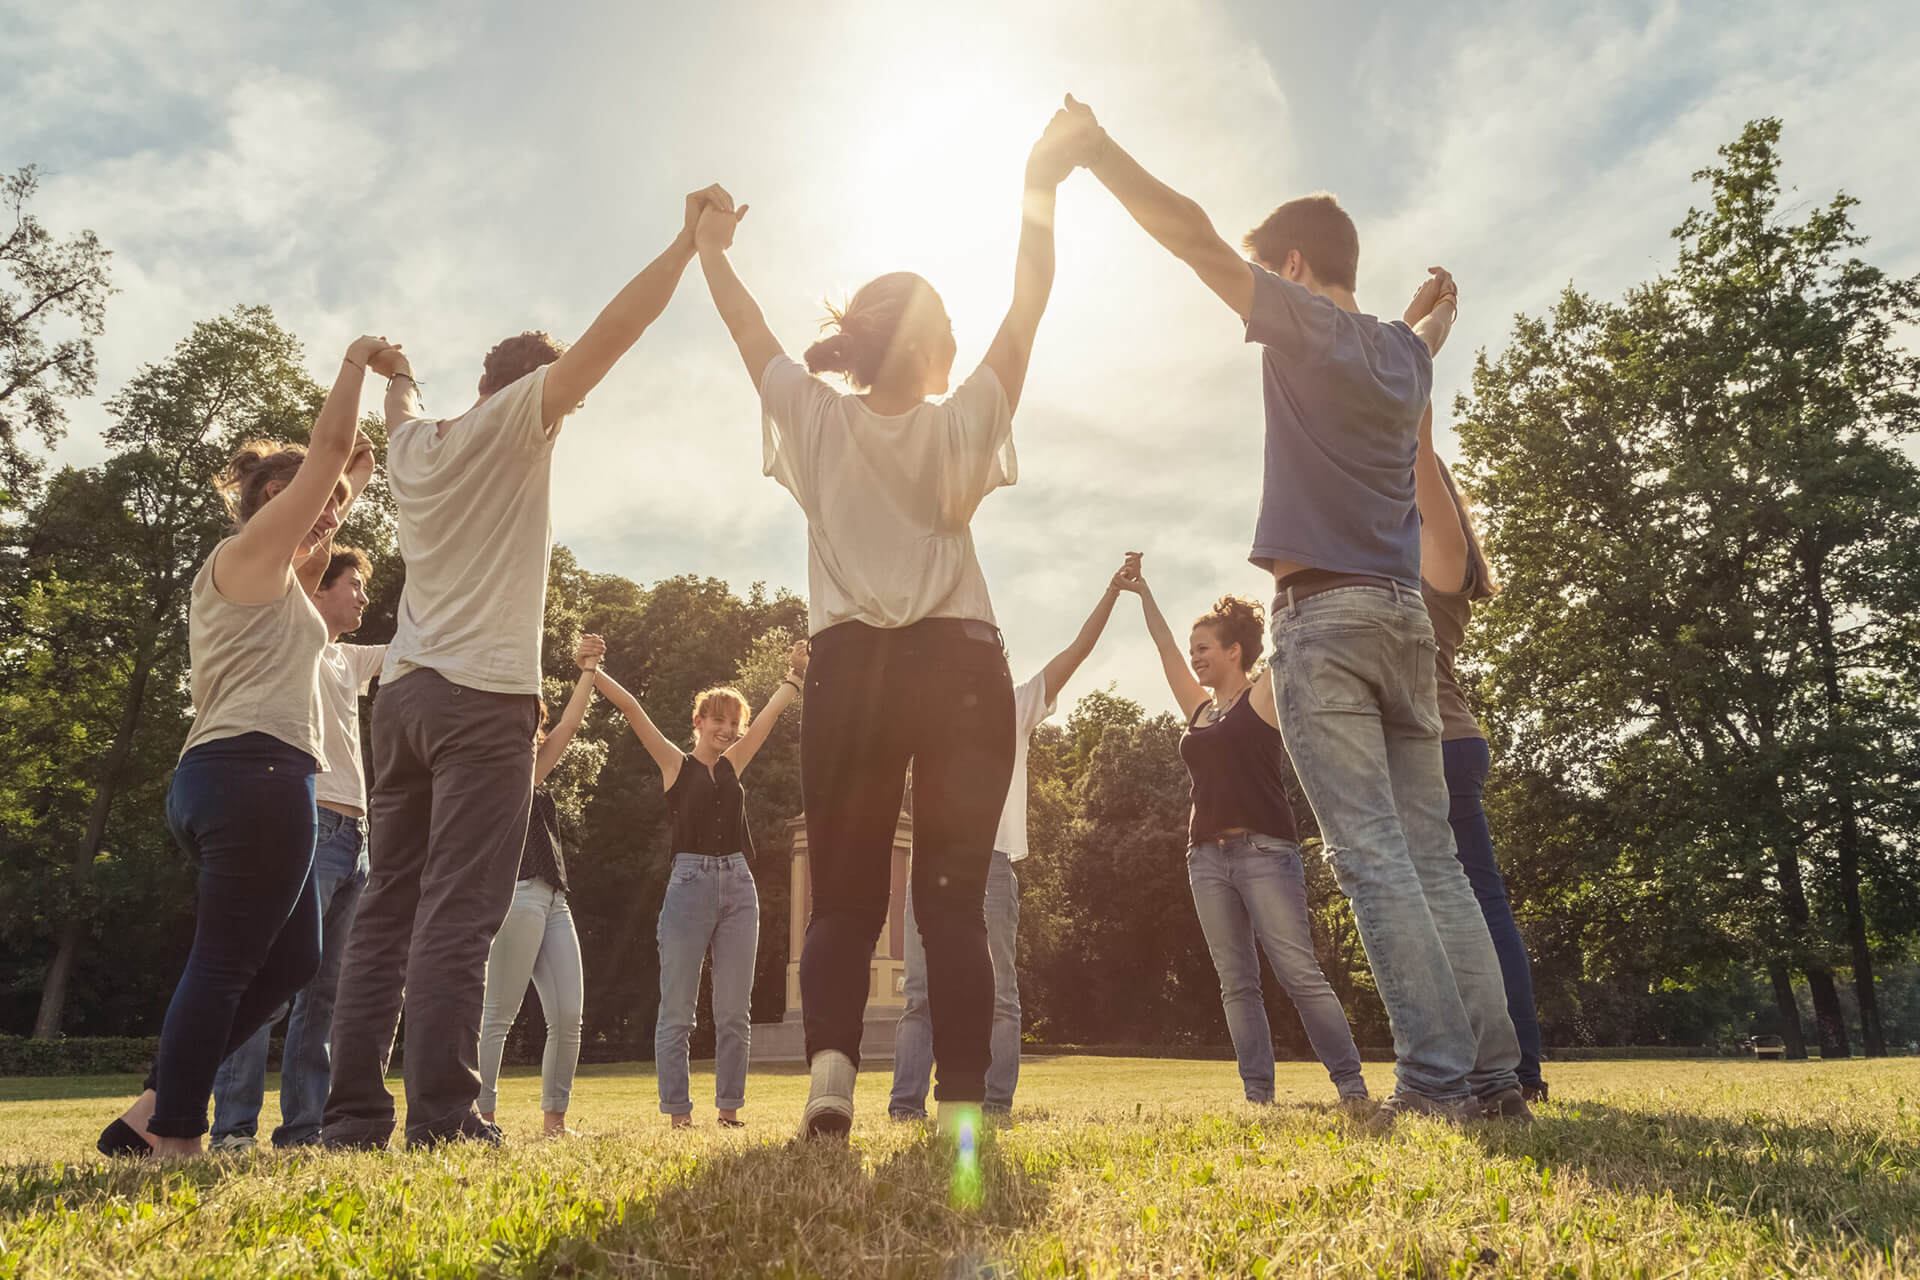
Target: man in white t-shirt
column 1033, row 702
column 339, row 874
column 454, row 723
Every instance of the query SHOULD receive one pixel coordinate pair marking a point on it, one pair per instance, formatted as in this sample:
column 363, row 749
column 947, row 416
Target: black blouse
column 541, row 858
column 708, row 811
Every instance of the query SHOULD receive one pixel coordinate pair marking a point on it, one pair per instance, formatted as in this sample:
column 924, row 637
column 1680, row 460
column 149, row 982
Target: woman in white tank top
column 242, row 803
column 907, row 668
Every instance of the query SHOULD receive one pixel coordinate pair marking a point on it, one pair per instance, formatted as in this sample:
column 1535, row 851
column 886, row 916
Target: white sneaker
column 829, row 1112
column 228, row 1143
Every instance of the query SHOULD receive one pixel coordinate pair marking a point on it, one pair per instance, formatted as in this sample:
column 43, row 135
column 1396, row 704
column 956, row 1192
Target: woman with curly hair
column 1243, row 862
column 242, row 798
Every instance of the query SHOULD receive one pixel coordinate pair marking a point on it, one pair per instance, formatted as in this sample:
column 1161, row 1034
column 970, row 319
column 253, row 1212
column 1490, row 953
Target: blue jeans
column 710, row 904
column 1248, row 887
column 1467, row 762
column 913, row 1040
column 243, row 808
column 1354, row 675
column 339, row 873
column 537, row 943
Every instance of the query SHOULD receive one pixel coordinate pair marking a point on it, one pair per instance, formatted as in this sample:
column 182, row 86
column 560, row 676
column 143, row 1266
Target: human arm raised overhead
column 588, row 654
column 741, row 753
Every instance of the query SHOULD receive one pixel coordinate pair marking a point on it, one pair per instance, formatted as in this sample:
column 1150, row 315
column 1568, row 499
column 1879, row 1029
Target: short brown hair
column 1320, row 229
column 255, row 467
column 516, row 357
column 1238, row 620
column 345, row 558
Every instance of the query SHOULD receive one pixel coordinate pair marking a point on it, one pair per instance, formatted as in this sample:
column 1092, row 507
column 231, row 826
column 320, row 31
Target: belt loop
column 1292, row 608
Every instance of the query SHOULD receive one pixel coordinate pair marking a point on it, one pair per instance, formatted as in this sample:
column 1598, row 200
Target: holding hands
column 711, row 218
column 797, row 661
column 1072, row 138
column 588, row 653
column 367, row 349
column 1436, row 289
column 1129, row 577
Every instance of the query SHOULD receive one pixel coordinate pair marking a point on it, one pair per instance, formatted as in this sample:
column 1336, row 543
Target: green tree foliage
column 57, row 285
column 1702, row 665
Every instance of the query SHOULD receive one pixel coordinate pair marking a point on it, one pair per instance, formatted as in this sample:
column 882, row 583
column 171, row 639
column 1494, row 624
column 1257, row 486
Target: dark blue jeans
column 339, row 873
column 243, row 809
column 1467, row 760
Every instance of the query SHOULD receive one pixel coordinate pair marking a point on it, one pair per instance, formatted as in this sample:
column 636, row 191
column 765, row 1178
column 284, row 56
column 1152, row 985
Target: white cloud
column 454, row 174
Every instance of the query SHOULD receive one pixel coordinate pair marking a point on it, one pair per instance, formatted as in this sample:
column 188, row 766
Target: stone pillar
column 785, row 1040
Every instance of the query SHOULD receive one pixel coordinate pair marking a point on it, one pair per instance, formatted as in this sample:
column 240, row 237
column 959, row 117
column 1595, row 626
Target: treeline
column 1700, row 679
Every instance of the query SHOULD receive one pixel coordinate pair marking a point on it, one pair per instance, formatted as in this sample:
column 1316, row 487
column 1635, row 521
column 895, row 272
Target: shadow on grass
column 817, row 1209
column 1851, row 1184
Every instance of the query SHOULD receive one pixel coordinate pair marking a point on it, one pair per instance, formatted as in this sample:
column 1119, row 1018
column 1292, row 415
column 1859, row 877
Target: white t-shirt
column 1030, row 707
column 887, row 499
column 475, row 533
column 345, row 670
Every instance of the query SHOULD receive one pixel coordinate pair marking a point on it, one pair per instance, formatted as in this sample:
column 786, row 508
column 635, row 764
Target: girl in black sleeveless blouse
column 1243, row 864
column 711, row 904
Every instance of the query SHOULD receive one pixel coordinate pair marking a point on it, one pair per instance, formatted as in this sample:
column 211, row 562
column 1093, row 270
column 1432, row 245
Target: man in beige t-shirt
column 454, row 723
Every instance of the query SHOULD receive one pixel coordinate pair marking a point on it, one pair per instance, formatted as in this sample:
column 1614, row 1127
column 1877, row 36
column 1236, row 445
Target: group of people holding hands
column 458, row 900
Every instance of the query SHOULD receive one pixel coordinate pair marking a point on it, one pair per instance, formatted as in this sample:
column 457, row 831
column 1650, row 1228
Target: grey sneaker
column 1405, row 1103
column 231, row 1144
column 829, row 1112
column 1508, row 1104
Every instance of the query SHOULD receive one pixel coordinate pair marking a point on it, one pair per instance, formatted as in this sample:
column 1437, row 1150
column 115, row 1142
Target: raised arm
column 254, row 567
column 1064, row 663
column 1180, row 225
column 1188, row 692
column 742, row 752
column 588, row 654
column 1047, row 167
column 620, row 324
column 1443, row 543
column 1435, row 306
column 668, row 757
column 402, row 401
column 741, row 314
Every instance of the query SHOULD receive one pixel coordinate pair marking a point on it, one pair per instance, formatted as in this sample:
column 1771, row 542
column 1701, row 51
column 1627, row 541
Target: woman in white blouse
column 908, row 667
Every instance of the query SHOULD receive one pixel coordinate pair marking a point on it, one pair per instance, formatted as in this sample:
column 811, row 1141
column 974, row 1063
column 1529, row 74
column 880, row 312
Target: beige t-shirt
column 345, row 671
column 256, row 667
column 475, row 533
column 1030, row 707
column 888, row 499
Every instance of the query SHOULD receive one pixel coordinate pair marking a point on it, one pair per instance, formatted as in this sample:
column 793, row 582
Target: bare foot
column 554, row 1124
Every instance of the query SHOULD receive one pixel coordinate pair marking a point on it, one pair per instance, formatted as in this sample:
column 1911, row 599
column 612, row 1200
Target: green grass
column 1113, row 1167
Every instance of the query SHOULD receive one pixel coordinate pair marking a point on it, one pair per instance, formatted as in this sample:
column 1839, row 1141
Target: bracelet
column 355, row 363
column 402, row 373
column 796, row 684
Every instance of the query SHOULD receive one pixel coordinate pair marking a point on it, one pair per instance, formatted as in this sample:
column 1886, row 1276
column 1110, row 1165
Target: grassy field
column 1112, row 1167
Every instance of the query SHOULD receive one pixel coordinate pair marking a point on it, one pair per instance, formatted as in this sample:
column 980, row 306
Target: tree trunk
column 1790, row 1029
column 53, row 991
column 1850, row 837
column 1830, row 1022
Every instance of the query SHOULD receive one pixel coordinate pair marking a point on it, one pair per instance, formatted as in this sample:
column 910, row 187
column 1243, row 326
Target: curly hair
column 343, row 559
column 1238, row 620
column 254, row 468
column 514, row 358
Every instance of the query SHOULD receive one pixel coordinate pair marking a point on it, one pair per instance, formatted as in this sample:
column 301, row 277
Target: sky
column 448, row 174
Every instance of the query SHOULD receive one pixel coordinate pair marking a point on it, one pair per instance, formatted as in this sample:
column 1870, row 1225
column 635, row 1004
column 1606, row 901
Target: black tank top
column 540, row 857
column 708, row 811
column 1237, row 776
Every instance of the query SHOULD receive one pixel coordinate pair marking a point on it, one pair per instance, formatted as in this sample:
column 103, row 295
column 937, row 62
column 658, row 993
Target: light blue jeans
column 1354, row 673
column 913, row 1038
column 1249, row 887
column 711, row 904
column 240, row 1086
column 536, row 943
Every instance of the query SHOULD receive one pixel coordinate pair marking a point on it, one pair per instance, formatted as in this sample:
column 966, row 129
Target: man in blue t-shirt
column 1353, row 648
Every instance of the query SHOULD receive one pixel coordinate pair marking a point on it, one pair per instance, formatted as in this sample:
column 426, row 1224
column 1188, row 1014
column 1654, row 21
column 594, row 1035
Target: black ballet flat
column 122, row 1139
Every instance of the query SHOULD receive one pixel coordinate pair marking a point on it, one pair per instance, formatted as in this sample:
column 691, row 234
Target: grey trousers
column 452, row 786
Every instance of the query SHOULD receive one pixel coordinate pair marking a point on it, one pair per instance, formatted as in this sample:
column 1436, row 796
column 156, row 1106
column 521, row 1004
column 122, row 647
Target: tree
column 135, row 531
column 1707, row 527
column 51, row 280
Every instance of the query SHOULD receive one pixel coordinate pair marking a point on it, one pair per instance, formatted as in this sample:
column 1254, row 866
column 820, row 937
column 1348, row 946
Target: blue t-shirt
column 1344, row 394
